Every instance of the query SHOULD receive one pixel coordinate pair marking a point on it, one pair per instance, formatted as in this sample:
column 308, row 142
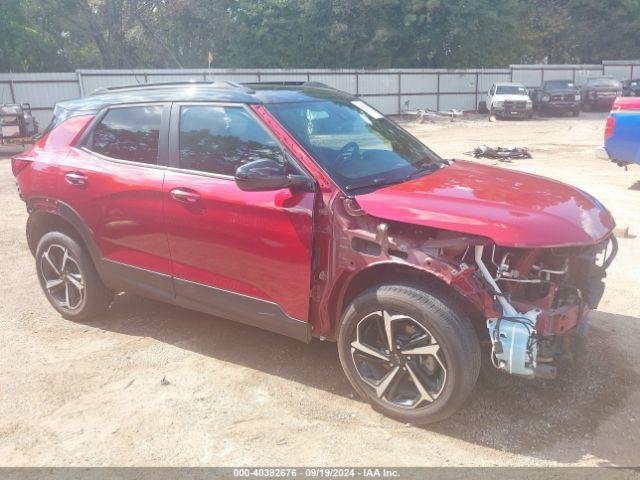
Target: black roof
column 278, row 92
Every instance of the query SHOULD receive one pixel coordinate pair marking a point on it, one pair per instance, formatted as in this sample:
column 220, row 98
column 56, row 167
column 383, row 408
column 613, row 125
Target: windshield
column 604, row 82
column 356, row 145
column 559, row 84
column 510, row 90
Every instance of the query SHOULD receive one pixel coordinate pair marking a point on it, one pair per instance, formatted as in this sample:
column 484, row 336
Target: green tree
column 67, row 34
column 23, row 48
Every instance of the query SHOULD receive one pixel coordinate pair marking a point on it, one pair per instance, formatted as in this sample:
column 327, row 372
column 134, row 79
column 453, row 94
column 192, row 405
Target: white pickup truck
column 509, row 100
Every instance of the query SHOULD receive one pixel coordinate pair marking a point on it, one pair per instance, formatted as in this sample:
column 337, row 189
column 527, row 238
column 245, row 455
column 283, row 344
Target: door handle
column 76, row 178
column 185, row 195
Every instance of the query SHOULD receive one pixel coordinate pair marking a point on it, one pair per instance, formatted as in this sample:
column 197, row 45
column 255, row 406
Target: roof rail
column 291, row 83
column 144, row 86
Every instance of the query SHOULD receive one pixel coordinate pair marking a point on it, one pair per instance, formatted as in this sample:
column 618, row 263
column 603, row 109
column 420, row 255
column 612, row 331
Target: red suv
column 302, row 210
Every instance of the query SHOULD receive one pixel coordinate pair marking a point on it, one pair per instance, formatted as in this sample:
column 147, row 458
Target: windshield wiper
column 425, row 167
column 378, row 182
column 422, row 169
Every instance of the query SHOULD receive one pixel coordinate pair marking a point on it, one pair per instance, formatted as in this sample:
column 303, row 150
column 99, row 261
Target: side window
column 219, row 139
column 129, row 133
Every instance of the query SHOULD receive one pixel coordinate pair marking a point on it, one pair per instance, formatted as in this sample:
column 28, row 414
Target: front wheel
column 409, row 352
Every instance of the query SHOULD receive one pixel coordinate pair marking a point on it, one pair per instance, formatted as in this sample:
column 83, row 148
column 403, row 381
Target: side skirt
column 240, row 308
column 203, row 298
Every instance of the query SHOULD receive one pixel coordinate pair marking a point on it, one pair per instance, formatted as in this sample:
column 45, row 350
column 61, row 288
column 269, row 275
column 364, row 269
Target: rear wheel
column 69, row 279
column 409, row 352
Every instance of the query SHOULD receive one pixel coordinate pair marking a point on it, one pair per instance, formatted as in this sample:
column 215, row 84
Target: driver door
column 241, row 255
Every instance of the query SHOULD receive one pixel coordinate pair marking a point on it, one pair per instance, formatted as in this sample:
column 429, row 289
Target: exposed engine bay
column 544, row 295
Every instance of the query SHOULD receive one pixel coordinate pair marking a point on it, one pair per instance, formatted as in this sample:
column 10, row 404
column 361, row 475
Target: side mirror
column 265, row 175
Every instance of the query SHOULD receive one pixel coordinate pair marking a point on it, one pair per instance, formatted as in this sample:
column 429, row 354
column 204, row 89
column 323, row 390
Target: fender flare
column 52, row 206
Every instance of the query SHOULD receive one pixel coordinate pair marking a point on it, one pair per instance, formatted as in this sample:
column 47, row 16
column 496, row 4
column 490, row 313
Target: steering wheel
column 349, row 152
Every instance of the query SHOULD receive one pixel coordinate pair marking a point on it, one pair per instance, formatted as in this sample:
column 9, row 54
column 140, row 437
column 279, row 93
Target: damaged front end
column 544, row 296
column 533, row 302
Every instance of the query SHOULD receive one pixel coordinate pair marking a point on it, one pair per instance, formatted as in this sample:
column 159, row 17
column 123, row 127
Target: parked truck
column 556, row 96
column 508, row 100
column 599, row 92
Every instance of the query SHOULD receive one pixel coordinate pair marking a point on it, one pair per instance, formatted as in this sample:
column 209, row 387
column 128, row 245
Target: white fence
column 391, row 91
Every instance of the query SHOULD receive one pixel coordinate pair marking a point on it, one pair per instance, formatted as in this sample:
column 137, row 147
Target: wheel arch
column 62, row 218
column 404, row 274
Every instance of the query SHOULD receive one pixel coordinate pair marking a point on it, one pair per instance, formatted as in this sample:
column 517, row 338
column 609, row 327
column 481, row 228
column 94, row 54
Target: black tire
column 576, row 112
column 90, row 300
column 586, row 107
column 446, row 325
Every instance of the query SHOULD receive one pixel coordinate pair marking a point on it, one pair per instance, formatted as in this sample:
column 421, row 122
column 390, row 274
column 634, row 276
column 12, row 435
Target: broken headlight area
column 544, row 296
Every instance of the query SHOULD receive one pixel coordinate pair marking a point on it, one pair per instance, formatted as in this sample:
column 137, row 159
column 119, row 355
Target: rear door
column 114, row 182
column 242, row 255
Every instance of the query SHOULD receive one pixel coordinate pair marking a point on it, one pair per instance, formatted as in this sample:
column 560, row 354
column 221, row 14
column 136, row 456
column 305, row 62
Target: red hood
column 513, row 209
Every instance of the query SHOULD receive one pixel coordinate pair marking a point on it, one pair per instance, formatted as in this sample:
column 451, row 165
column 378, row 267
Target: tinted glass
column 129, row 134
column 220, row 139
column 558, row 84
column 354, row 143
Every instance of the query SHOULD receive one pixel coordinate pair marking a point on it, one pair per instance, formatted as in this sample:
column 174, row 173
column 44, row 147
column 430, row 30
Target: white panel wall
column 5, row 93
column 378, row 83
column 160, row 78
column 387, row 104
column 458, row 82
column 486, row 79
column 558, row 74
column 419, row 82
column 424, row 102
column 43, row 117
column 459, row 102
column 45, row 94
column 233, row 77
column 621, row 72
column 529, row 78
column 283, row 77
column 344, row 82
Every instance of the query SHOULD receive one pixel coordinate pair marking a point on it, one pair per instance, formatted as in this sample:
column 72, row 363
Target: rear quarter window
column 129, row 133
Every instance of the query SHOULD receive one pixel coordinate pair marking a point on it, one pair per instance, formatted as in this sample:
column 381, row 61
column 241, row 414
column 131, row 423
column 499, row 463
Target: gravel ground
column 93, row 393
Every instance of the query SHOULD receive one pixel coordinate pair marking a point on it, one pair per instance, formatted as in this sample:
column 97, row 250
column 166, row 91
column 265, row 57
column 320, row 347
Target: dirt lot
column 92, row 393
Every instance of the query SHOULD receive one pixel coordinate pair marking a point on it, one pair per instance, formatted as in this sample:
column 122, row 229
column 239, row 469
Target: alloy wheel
column 399, row 359
column 62, row 277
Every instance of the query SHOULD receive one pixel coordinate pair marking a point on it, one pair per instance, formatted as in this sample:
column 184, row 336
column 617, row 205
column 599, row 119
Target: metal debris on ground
column 423, row 115
column 504, row 154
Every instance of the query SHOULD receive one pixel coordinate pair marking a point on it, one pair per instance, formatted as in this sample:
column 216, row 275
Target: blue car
column 622, row 132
